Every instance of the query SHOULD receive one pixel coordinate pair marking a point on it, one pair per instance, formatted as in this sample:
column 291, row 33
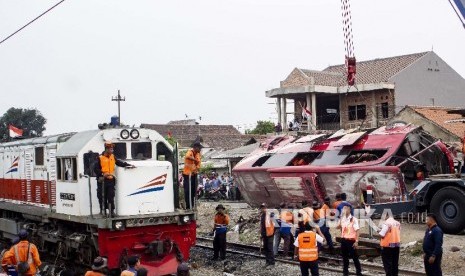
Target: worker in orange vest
column 319, row 217
column 133, row 266
column 192, row 161
column 99, row 267
column 106, row 182
column 305, row 216
column 306, row 250
column 284, row 231
column 24, row 255
column 390, row 246
column 349, row 233
column 267, row 234
column 220, row 229
column 337, row 201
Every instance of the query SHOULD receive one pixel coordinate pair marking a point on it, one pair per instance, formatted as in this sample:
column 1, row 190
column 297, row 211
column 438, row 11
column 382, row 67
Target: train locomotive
column 48, row 186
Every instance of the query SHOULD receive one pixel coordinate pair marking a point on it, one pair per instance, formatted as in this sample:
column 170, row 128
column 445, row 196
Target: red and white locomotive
column 48, row 186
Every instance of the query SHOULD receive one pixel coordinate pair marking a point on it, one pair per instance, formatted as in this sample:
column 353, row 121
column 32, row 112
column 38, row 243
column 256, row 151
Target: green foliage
column 171, row 140
column 30, row 121
column 206, row 168
column 182, row 154
column 263, row 127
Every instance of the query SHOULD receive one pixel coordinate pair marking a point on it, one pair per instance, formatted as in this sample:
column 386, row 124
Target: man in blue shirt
column 344, row 203
column 432, row 247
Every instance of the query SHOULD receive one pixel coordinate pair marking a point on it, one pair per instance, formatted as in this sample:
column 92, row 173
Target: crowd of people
column 305, row 232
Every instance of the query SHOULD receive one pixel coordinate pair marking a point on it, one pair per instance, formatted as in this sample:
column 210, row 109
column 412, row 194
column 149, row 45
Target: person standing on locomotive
column 192, row 162
column 105, row 169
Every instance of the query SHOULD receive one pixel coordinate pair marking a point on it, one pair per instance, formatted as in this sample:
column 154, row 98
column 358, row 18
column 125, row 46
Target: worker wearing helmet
column 106, row 182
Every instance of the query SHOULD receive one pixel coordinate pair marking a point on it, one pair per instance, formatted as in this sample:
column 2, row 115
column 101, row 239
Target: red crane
column 350, row 60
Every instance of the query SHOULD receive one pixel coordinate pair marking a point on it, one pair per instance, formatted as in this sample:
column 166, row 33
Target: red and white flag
column 305, row 112
column 14, row 131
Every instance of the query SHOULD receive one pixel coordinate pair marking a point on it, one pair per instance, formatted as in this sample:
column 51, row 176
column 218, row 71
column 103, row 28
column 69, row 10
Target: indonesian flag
column 305, row 112
column 14, row 131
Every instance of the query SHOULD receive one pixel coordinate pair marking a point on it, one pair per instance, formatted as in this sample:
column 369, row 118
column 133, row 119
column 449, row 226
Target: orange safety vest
column 269, row 226
column 308, row 250
column 107, row 163
column 392, row 237
column 320, row 213
column 287, row 216
column 222, row 219
column 306, row 212
column 348, row 231
column 189, row 165
column 336, row 203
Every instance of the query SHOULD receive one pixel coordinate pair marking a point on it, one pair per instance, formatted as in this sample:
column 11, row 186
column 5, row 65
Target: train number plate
column 67, row 196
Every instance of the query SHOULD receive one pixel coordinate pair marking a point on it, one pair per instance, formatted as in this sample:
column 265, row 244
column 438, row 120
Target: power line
column 30, row 22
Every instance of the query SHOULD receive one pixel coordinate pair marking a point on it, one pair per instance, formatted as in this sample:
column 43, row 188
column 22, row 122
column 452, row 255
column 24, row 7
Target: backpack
column 22, row 266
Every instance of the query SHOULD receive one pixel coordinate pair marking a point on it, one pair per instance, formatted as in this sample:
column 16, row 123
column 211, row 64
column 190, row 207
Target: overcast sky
column 209, row 58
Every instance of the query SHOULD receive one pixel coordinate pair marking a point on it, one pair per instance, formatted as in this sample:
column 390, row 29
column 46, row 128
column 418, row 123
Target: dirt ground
column 411, row 236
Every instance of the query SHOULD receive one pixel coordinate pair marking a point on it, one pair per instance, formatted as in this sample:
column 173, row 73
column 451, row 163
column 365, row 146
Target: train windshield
column 141, row 150
column 120, row 151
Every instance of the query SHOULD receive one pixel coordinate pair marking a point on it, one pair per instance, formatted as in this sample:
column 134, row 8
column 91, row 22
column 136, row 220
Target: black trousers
column 189, row 196
column 106, row 194
column 219, row 246
column 268, row 249
column 348, row 251
column 312, row 266
column 435, row 268
column 390, row 257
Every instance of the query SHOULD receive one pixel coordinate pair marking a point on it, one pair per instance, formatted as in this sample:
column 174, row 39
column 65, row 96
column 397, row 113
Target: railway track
column 327, row 263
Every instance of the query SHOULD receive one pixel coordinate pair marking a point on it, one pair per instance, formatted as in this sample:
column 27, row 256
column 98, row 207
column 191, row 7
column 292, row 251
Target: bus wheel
column 448, row 204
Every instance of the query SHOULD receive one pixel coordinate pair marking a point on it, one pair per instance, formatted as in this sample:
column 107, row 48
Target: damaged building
column 384, row 85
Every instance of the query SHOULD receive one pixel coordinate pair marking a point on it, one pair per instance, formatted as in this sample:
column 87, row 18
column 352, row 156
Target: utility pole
column 118, row 99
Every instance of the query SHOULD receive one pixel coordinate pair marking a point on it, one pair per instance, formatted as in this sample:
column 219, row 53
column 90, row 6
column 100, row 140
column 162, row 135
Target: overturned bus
column 388, row 161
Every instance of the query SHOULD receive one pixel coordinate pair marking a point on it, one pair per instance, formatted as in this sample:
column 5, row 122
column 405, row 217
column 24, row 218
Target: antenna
column 118, row 99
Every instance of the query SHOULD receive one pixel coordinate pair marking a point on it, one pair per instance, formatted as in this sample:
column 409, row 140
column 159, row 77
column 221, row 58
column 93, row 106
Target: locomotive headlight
column 185, row 219
column 134, row 134
column 124, row 134
column 119, row 225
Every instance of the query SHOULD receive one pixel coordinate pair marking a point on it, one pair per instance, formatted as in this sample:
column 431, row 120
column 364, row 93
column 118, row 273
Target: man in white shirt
column 349, row 233
column 306, row 250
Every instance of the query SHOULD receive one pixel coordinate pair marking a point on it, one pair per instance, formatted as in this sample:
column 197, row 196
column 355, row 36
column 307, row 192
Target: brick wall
column 373, row 101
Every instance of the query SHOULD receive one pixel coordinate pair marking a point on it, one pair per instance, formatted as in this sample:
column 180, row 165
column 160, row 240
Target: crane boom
column 350, row 60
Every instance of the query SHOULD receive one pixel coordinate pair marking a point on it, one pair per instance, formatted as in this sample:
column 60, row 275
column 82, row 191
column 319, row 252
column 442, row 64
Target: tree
column 263, row 127
column 30, row 121
column 171, row 140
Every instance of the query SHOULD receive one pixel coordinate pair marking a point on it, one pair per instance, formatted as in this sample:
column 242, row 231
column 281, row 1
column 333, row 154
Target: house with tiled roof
column 222, row 137
column 445, row 123
column 383, row 87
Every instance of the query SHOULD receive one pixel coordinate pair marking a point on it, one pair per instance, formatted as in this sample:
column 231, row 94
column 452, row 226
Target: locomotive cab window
column 164, row 153
column 39, row 156
column 120, row 151
column 141, row 151
column 67, row 169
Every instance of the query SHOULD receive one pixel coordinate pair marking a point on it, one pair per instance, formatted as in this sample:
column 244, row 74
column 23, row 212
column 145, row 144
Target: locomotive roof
column 76, row 142
column 39, row 140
